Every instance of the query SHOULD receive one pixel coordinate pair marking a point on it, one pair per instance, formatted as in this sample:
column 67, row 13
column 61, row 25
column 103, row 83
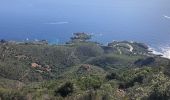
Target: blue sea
column 146, row 21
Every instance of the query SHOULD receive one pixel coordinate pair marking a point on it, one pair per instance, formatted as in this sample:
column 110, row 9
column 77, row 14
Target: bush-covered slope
column 82, row 70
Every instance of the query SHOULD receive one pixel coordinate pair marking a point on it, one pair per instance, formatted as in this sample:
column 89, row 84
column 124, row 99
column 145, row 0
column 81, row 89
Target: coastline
column 164, row 51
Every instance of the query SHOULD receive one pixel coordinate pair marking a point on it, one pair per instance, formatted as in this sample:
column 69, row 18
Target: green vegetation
column 82, row 70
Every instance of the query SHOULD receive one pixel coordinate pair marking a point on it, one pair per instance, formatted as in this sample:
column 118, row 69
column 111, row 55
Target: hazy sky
column 120, row 19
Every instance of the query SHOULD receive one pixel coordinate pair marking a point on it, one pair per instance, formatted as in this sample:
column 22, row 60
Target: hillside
column 82, row 70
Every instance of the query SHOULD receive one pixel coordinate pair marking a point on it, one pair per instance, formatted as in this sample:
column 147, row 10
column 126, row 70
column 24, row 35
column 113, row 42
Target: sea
column 146, row 21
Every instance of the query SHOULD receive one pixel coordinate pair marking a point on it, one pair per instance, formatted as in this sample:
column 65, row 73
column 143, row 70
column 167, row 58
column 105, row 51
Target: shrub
column 90, row 82
column 86, row 50
column 111, row 76
column 65, row 90
column 11, row 95
column 125, row 85
column 144, row 62
column 157, row 95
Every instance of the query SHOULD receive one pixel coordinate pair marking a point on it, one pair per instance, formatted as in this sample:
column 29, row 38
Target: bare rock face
column 34, row 65
column 86, row 67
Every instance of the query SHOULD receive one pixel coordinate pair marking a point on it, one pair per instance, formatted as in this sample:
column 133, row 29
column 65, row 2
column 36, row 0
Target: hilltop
column 82, row 70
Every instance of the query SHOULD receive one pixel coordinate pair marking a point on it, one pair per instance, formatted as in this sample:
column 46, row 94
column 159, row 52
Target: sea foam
column 164, row 51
